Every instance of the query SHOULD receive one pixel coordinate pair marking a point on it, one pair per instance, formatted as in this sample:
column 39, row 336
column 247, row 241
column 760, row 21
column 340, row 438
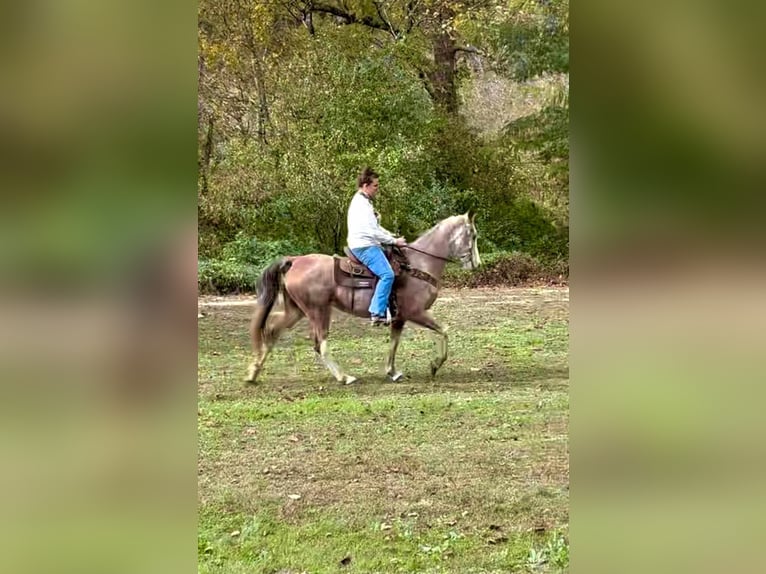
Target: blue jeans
column 375, row 260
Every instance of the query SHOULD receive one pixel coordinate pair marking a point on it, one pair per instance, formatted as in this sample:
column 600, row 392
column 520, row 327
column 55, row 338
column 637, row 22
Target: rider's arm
column 374, row 229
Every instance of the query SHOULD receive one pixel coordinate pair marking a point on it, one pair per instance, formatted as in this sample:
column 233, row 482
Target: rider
column 365, row 239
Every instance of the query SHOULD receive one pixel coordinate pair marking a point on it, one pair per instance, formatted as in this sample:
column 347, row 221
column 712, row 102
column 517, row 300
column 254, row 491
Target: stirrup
column 379, row 320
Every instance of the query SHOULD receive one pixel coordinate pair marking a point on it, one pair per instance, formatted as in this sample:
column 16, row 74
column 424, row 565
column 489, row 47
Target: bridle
column 417, row 273
column 461, row 259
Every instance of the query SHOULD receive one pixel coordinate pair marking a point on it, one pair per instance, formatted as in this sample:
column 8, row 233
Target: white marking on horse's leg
column 252, row 373
column 441, row 347
column 255, row 367
column 425, row 320
column 276, row 324
column 330, row 364
column 391, row 371
column 257, row 364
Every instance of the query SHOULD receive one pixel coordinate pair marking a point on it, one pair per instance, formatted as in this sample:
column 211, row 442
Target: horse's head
column 463, row 241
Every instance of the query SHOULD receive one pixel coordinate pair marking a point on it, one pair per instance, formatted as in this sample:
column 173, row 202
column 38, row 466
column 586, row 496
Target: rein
column 425, row 252
column 417, row 273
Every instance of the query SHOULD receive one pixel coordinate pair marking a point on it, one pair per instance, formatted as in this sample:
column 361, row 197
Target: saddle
column 350, row 272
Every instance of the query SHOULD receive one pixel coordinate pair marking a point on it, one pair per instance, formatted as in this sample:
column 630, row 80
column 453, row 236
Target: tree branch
column 351, row 18
column 385, row 20
column 469, row 50
column 297, row 15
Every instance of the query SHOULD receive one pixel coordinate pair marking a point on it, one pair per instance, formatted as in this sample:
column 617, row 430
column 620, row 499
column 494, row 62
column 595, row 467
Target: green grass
column 467, row 473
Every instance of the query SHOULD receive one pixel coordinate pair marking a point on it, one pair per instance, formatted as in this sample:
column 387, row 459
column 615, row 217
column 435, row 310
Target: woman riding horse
column 308, row 288
column 366, row 238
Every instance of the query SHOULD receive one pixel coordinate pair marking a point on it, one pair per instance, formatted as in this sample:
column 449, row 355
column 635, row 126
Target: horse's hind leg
column 424, row 319
column 320, row 326
column 277, row 323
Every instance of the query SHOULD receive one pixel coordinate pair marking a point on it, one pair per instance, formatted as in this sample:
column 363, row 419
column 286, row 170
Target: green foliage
column 545, row 133
column 545, row 138
column 288, row 117
column 535, row 40
column 508, row 269
column 249, row 250
column 555, row 552
column 216, row 276
column 528, row 227
column 241, row 262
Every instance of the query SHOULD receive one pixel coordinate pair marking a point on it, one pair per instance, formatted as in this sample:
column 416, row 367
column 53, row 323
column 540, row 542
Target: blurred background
column 668, row 322
column 98, row 262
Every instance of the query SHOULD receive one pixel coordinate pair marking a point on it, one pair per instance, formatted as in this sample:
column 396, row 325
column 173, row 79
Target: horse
column 307, row 285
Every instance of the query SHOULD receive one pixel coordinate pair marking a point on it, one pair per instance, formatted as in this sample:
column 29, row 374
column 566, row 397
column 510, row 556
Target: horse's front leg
column 320, row 322
column 396, row 334
column 425, row 319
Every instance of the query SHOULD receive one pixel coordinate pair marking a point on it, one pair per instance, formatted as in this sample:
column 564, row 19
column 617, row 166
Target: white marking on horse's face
column 475, row 258
column 464, row 243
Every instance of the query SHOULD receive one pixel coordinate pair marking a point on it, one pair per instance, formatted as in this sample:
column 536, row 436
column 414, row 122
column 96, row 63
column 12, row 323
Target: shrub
column 241, row 263
column 215, row 276
column 509, row 270
column 250, row 250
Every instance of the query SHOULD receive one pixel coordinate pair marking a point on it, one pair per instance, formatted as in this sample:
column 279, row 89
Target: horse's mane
column 451, row 219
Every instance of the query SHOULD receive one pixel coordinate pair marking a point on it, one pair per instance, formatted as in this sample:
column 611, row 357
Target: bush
column 508, row 270
column 249, row 250
column 215, row 276
column 241, row 263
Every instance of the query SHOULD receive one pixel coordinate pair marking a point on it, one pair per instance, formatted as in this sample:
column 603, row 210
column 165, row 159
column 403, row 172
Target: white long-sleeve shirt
column 363, row 227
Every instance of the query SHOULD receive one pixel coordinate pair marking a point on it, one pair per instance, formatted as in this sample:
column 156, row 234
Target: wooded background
column 456, row 104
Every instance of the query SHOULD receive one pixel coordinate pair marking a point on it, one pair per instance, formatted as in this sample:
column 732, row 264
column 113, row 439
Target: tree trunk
column 263, row 108
column 207, row 154
column 442, row 76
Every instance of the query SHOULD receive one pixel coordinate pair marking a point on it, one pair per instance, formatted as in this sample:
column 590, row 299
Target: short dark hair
column 366, row 176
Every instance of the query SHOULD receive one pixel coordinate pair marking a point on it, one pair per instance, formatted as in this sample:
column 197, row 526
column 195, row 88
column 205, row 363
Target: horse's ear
column 471, row 215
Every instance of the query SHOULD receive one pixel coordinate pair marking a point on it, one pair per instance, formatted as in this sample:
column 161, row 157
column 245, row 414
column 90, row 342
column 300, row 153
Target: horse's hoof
column 434, row 368
column 252, row 374
column 350, row 380
column 396, row 377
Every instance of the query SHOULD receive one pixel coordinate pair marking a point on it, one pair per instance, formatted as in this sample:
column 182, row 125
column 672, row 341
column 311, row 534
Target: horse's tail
column 268, row 288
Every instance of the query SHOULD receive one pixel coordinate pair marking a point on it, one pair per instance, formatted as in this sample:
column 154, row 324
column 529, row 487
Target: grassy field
column 466, row 473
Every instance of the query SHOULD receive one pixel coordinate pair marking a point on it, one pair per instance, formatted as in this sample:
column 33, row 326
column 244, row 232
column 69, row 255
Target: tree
column 428, row 30
column 295, row 96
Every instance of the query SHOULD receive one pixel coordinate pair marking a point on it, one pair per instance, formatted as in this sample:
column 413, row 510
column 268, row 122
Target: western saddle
column 350, row 272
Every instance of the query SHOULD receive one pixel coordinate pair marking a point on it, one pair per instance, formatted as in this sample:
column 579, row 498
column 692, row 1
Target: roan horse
column 308, row 288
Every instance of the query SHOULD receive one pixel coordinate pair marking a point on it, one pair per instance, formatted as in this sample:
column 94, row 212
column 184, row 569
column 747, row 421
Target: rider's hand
column 400, row 241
